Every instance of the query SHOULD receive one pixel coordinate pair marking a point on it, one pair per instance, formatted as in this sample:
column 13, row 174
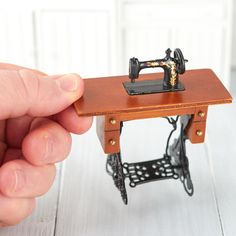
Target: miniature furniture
column 107, row 99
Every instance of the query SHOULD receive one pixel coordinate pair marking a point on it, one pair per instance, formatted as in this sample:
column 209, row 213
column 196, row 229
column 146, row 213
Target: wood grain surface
column 107, row 95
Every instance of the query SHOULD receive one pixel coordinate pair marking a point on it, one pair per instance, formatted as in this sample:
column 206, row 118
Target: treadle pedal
column 148, row 171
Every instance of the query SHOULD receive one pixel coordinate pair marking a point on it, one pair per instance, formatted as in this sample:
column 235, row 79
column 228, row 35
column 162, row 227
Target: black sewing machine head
column 173, row 66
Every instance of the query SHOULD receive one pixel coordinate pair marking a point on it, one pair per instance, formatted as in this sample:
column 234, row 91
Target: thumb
column 26, row 91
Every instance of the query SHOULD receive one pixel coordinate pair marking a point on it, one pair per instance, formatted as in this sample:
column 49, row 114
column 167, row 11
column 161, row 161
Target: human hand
column 36, row 117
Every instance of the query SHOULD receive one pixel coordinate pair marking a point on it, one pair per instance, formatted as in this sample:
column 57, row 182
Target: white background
column 96, row 38
column 234, row 36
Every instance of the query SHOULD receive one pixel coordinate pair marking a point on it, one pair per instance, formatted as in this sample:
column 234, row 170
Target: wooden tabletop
column 107, row 95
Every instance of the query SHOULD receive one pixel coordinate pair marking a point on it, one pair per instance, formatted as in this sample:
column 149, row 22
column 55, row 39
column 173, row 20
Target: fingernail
column 68, row 82
column 19, row 180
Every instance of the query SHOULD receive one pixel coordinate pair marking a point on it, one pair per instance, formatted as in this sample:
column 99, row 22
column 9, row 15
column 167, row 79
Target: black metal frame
column 173, row 165
column 173, row 66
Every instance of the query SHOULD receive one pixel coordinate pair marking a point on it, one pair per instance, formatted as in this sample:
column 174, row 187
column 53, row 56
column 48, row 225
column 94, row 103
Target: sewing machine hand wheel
column 134, row 68
column 180, row 61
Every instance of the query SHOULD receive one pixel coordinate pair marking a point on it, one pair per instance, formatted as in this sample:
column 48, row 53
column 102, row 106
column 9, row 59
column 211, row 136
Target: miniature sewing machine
column 115, row 100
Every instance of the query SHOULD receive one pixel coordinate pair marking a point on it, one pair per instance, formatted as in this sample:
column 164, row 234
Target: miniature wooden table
column 107, row 99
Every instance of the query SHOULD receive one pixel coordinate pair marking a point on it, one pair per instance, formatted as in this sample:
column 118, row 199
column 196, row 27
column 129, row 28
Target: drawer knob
column 199, row 133
column 112, row 142
column 112, row 121
column 201, row 114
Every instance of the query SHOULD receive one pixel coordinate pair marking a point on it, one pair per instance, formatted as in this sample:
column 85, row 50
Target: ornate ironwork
column 173, row 165
column 115, row 169
column 179, row 160
column 143, row 172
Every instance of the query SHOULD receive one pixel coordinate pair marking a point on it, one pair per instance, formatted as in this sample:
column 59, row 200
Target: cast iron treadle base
column 173, row 165
column 147, row 171
column 115, row 169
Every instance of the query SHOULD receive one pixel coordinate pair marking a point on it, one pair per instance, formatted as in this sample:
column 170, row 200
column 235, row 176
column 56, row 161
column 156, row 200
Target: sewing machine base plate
column 149, row 87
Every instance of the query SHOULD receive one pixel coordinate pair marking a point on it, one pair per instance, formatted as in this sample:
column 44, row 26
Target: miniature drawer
column 196, row 132
column 110, row 141
column 111, row 123
column 108, row 122
column 200, row 114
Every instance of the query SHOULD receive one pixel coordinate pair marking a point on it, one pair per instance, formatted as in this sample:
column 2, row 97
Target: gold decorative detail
column 173, row 77
column 153, row 64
